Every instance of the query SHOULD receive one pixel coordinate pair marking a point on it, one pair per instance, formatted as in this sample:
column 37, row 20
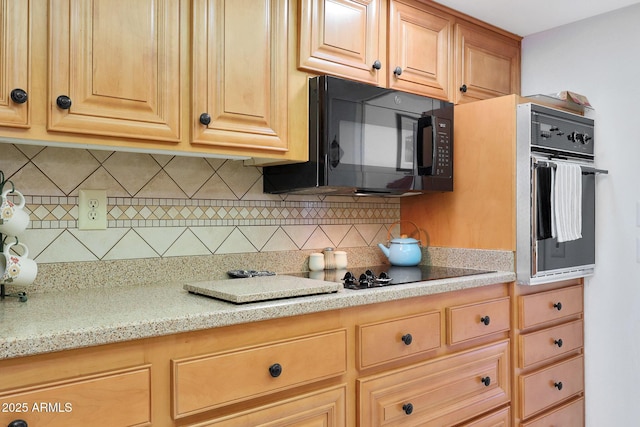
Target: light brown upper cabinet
column 239, row 79
column 413, row 45
column 487, row 64
column 15, row 75
column 114, row 68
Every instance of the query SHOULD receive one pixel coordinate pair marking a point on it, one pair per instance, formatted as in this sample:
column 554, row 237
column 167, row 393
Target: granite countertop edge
column 52, row 322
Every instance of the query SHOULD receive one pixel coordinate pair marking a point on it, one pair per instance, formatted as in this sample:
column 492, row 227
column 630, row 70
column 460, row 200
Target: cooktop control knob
column 586, row 138
column 579, row 138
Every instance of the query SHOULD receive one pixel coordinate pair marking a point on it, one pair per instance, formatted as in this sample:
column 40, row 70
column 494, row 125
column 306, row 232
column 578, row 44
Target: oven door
column 552, row 260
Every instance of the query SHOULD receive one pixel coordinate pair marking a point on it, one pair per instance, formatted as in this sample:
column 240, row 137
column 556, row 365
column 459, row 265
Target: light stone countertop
column 57, row 321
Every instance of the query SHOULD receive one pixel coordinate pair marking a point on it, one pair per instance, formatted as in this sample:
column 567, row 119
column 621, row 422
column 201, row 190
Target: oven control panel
column 562, row 132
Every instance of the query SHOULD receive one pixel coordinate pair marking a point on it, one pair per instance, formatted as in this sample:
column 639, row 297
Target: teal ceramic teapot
column 403, row 251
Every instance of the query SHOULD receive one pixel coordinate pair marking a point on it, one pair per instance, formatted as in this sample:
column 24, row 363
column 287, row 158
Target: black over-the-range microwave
column 368, row 140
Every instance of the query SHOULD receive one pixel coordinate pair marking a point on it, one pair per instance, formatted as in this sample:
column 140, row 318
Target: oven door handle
column 533, row 193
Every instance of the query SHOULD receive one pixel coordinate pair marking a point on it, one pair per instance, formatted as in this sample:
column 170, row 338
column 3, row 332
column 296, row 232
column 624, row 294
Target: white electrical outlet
column 92, row 210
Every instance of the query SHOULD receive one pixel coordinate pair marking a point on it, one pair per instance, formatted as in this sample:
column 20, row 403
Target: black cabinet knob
column 18, row 423
column 376, row 65
column 63, row 102
column 485, row 320
column 558, row 385
column 407, row 408
column 463, row 88
column 19, row 96
column 205, row 119
column 558, row 342
column 275, row 370
column 397, row 71
column 486, row 381
column 558, row 306
column 407, row 339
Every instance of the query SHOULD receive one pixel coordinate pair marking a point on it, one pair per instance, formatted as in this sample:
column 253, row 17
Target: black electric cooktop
column 385, row 275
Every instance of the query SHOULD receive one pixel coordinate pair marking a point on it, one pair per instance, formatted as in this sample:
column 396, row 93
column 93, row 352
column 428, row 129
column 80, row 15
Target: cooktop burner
column 385, row 275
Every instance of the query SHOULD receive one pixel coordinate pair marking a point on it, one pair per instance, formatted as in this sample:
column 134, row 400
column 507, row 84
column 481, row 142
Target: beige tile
column 161, row 186
column 101, row 180
column 11, row 159
column 160, row 238
column 131, row 246
column 38, row 239
column 238, row 178
column 336, row 232
column 162, row 159
column 279, row 241
column 65, row 248
column 212, row 237
column 258, row 235
column 369, row 232
column 190, row 173
column 101, row 155
column 215, row 163
column 31, row 181
column 215, row 189
column 299, row 234
column 30, row 150
column 99, row 242
column 186, row 245
column 133, row 171
column 353, row 239
column 318, row 240
column 236, row 243
column 256, row 193
column 66, row 167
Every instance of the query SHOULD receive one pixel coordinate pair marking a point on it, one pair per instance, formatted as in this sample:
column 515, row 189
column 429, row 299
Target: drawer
column 547, row 387
column 537, row 309
column 501, row 418
column 397, row 339
column 322, row 408
column 569, row 415
column 206, row 382
column 548, row 343
column 466, row 322
column 443, row 391
column 116, row 398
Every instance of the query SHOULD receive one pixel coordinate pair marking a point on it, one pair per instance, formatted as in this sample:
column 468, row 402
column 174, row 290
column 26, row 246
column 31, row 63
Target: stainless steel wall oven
column 551, row 142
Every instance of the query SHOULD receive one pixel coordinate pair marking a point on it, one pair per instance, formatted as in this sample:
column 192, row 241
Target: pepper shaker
column 329, row 259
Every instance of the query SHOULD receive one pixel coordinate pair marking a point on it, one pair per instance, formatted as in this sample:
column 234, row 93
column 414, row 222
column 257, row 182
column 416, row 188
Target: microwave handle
column 425, row 152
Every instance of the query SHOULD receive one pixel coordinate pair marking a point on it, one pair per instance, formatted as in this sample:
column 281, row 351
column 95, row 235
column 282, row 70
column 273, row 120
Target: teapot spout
column 384, row 249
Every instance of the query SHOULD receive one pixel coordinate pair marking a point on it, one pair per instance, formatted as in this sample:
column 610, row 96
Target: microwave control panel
column 442, row 150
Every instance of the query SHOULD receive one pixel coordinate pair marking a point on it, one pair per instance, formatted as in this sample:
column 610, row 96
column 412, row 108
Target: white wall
column 600, row 58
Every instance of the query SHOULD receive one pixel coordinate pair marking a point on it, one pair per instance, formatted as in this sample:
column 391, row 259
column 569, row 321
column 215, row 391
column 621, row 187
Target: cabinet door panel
column 15, row 31
column 488, row 65
column 419, row 45
column 342, row 37
column 121, row 68
column 240, row 73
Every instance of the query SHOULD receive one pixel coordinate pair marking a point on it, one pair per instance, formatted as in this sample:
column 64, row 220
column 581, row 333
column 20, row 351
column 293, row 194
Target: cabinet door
column 15, row 31
column 342, row 37
column 419, row 59
column 487, row 64
column 240, row 74
column 118, row 64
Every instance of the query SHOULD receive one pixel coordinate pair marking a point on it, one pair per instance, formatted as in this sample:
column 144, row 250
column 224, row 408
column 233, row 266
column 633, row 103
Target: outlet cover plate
column 92, row 204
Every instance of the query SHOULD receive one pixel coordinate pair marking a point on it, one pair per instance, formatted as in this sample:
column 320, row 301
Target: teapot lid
column 404, row 240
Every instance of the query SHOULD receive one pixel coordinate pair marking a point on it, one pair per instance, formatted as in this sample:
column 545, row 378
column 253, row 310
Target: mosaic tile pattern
column 166, row 206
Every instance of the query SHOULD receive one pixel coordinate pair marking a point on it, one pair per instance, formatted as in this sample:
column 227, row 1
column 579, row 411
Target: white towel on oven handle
column 567, row 201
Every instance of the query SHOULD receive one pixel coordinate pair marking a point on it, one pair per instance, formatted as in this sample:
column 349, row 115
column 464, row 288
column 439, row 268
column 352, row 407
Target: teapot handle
column 398, row 222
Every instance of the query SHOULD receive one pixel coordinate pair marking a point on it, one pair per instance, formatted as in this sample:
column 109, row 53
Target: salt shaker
column 329, row 259
column 341, row 260
column 316, row 262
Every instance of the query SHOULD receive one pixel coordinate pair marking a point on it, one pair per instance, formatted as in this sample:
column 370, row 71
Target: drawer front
column 203, row 383
column 501, row 418
column 570, row 415
column 443, row 391
column 121, row 398
column 466, row 322
column 547, row 387
column 383, row 342
column 323, row 408
column 537, row 309
column 548, row 343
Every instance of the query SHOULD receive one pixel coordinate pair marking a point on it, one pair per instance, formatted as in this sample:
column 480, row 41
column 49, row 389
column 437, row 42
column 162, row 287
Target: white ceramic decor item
column 13, row 218
column 17, row 269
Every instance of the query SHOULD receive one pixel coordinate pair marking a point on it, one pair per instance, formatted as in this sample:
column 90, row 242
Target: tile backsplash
column 163, row 206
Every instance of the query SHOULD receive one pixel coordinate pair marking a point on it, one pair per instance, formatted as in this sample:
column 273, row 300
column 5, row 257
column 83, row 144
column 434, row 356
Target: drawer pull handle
column 558, row 342
column 397, row 71
column 485, row 320
column 407, row 339
column 558, row 385
column 486, row 381
column 463, row 88
column 376, row 65
column 407, row 408
column 205, row 119
column 275, row 370
column 558, row 305
column 18, row 423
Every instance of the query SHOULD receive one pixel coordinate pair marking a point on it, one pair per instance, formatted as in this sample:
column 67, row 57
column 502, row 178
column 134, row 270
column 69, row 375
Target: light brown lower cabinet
column 548, row 354
column 356, row 366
